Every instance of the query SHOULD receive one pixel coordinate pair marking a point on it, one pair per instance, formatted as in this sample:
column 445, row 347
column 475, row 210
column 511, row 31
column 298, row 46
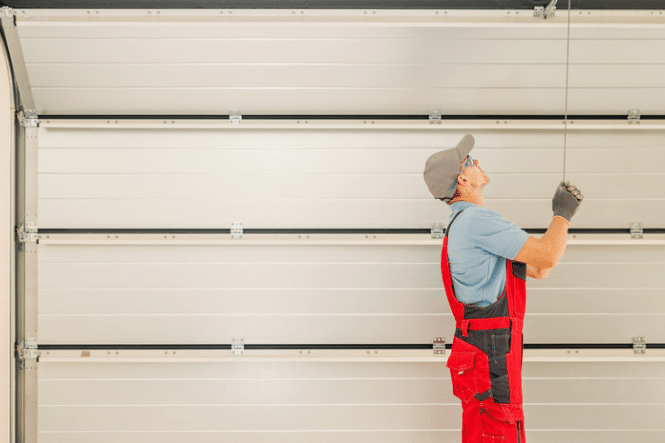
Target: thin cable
column 565, row 121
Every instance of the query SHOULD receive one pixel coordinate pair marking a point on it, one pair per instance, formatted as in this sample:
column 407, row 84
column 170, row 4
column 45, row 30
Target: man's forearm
column 556, row 238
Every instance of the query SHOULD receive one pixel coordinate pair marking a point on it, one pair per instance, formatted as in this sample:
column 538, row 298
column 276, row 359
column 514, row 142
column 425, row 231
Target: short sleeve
column 493, row 233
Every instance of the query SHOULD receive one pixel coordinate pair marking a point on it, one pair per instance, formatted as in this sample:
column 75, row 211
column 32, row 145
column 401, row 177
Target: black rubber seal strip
column 348, row 117
column 315, row 231
column 64, row 347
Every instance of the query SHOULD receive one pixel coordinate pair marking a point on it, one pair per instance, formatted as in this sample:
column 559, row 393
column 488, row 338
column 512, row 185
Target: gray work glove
column 566, row 200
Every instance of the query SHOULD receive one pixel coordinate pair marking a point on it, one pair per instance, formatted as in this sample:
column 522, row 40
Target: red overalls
column 486, row 359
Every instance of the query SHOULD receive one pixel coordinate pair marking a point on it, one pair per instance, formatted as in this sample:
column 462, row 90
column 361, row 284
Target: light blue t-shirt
column 479, row 242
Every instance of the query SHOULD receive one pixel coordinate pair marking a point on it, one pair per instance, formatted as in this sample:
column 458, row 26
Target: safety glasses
column 469, row 162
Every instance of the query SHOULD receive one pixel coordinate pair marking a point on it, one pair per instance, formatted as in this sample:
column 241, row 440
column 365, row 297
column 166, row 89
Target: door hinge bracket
column 28, row 349
column 636, row 231
column 639, row 345
column 435, row 117
column 238, row 346
column 235, row 117
column 28, row 118
column 27, row 233
column 236, row 230
column 437, row 230
column 7, row 12
column 439, row 345
column 634, row 116
column 545, row 11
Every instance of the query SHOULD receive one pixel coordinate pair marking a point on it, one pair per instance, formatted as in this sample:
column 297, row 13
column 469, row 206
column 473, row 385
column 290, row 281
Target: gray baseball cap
column 443, row 168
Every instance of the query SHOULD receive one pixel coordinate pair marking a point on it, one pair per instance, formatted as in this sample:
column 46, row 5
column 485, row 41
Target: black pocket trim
column 519, row 270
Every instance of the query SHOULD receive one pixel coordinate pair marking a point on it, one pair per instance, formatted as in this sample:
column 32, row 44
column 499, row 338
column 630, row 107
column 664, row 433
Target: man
column 484, row 264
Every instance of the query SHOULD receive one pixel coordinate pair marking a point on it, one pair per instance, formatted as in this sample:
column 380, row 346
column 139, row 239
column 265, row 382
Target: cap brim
column 465, row 146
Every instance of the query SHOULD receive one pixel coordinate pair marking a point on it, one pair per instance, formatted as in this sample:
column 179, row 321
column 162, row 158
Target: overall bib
column 486, row 358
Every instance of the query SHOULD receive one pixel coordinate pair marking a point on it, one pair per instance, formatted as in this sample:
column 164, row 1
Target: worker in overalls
column 484, row 262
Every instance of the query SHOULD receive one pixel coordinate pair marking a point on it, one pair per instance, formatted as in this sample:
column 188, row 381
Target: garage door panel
column 236, row 253
column 243, row 392
column 97, row 76
column 423, row 436
column 616, row 101
column 230, row 418
column 324, row 329
column 385, row 50
column 333, row 392
column 263, row 301
column 605, row 300
column 441, row 436
column 327, row 101
column 590, row 329
column 275, row 370
column 218, row 30
column 311, row 294
column 592, row 417
column 204, row 275
column 222, row 329
column 583, row 398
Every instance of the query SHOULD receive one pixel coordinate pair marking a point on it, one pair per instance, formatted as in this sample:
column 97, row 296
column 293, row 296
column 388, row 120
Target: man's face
column 473, row 172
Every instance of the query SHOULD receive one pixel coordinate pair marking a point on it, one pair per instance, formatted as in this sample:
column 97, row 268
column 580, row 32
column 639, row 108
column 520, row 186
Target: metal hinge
column 634, row 116
column 437, row 230
column 6, row 11
column 27, row 233
column 235, row 117
column 545, row 11
column 639, row 345
column 636, row 231
column 238, row 346
column 236, row 230
column 28, row 118
column 435, row 116
column 439, row 345
column 28, row 349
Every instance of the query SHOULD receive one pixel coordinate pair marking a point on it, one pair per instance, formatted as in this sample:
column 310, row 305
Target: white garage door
column 138, row 290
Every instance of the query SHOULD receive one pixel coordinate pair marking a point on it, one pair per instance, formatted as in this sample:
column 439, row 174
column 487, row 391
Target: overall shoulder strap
column 452, row 221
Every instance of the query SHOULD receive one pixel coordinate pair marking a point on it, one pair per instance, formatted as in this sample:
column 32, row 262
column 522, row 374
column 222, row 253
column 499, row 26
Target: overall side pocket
column 463, row 375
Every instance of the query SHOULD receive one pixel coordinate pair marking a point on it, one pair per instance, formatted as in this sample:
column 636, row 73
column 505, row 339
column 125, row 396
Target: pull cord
column 565, row 121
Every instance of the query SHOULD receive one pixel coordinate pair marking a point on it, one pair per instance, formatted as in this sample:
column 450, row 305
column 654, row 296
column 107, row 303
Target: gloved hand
column 566, row 200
